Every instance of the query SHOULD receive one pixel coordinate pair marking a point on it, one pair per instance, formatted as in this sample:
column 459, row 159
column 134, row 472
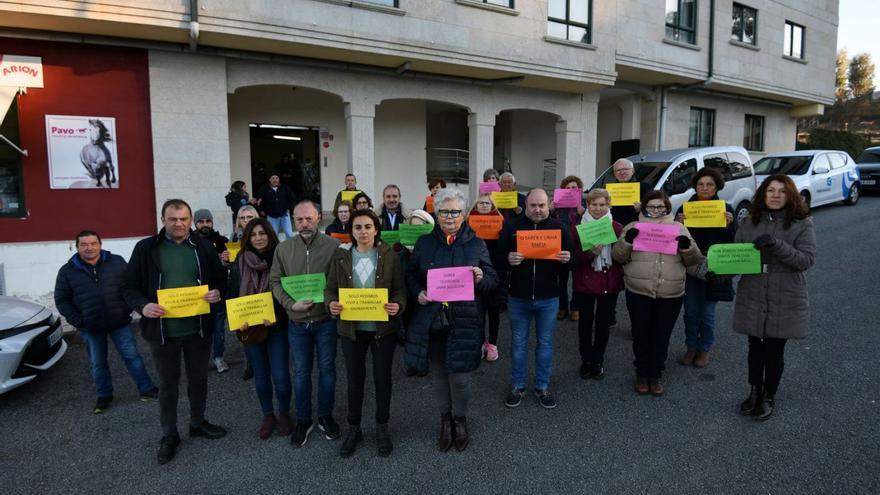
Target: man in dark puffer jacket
column 88, row 294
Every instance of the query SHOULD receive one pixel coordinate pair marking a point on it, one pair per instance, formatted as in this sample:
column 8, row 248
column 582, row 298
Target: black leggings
column 766, row 362
column 594, row 309
column 494, row 320
column 355, row 353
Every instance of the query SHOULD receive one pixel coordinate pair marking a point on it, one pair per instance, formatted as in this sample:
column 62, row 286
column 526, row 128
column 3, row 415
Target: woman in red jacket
column 597, row 280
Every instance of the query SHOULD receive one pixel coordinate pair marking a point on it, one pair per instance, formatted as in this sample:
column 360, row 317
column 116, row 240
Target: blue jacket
column 90, row 297
column 465, row 339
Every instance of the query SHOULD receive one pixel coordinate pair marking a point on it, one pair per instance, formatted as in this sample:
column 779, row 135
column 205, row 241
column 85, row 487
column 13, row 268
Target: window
column 793, row 40
column 788, row 165
column 869, row 156
column 821, row 162
column 739, row 166
column 503, row 3
column 745, row 21
column 11, row 185
column 387, row 3
column 569, row 20
column 681, row 20
column 753, row 138
column 702, row 127
column 837, row 160
column 679, row 181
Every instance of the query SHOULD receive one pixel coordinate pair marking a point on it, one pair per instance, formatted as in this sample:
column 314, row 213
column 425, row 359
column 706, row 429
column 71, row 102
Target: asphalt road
column 602, row 438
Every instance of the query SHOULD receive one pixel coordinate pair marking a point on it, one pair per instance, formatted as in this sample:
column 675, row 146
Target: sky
column 857, row 31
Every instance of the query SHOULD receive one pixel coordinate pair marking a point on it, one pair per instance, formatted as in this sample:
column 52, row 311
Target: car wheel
column 806, row 197
column 853, row 196
column 741, row 212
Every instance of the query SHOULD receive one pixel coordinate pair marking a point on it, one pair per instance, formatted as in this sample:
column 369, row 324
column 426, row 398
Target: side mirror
column 821, row 169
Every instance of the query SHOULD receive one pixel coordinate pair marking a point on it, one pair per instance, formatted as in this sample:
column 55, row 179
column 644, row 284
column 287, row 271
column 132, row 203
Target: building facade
column 202, row 93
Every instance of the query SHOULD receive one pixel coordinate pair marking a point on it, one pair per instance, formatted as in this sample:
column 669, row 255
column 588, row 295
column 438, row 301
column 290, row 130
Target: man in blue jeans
column 311, row 332
column 533, row 294
column 276, row 200
column 88, row 295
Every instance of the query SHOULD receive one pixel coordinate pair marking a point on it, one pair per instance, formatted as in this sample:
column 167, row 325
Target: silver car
column 30, row 341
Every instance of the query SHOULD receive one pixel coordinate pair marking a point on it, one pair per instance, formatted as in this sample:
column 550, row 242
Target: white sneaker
column 221, row 365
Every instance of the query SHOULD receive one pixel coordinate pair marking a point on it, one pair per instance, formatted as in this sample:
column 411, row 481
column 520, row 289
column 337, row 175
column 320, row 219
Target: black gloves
column 683, row 242
column 765, row 241
column 631, row 235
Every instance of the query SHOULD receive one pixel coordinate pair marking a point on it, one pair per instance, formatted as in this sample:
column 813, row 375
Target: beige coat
column 655, row 275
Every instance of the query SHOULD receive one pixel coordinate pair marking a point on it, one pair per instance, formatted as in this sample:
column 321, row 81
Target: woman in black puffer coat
column 447, row 338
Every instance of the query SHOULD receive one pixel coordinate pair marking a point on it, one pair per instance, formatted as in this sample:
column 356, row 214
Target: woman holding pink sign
column 367, row 264
column 655, row 253
column 569, row 215
column 495, row 299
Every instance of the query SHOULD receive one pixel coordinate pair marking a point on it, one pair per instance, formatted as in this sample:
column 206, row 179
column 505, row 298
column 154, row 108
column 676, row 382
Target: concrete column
column 631, row 117
column 481, row 145
column 359, row 117
column 586, row 170
column 568, row 145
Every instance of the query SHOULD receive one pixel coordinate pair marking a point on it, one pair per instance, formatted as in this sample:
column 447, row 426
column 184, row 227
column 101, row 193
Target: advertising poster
column 82, row 152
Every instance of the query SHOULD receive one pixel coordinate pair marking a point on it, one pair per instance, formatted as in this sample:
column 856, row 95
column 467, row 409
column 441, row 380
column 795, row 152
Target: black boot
column 764, row 408
column 352, row 439
column 447, row 433
column 462, row 439
column 384, row 446
column 749, row 404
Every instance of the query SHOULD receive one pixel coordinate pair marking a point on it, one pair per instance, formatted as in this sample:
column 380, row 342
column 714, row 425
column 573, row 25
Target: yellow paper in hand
column 252, row 310
column 184, row 302
column 233, row 248
column 348, row 195
column 702, row 214
column 623, row 193
column 363, row 304
column 505, row 200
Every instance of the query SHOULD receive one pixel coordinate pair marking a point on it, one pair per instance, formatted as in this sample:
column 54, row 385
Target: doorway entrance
column 293, row 151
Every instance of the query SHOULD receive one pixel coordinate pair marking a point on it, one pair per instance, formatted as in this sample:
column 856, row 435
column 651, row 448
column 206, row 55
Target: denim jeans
column 270, row 361
column 306, row 341
column 125, row 343
column 699, row 316
column 521, row 313
column 219, row 337
column 280, row 224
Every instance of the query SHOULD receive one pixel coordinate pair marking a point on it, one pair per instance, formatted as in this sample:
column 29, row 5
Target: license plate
column 869, row 182
column 55, row 336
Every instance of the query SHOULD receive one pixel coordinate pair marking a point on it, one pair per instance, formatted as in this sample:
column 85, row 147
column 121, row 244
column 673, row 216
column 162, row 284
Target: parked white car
column 821, row 176
column 672, row 170
column 30, row 341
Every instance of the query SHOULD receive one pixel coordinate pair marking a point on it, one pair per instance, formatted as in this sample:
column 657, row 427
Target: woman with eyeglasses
column 341, row 215
column 362, row 202
column 367, row 264
column 495, row 299
column 654, row 290
column 447, row 337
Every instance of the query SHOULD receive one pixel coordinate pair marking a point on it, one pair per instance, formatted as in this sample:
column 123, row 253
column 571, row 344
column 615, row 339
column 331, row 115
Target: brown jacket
column 389, row 275
column 776, row 303
column 655, row 275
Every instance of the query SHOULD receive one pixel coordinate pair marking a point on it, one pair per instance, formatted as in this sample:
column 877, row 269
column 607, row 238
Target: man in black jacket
column 176, row 258
column 391, row 213
column 88, row 295
column 534, row 293
column 276, row 200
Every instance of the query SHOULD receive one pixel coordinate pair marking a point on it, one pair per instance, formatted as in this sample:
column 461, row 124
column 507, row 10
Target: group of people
column 444, row 339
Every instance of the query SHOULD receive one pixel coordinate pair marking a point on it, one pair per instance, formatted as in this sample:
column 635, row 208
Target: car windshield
column 788, row 165
column 869, row 156
column 647, row 172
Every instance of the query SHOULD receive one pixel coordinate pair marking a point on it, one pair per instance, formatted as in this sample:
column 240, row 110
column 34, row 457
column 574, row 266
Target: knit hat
column 203, row 215
column 423, row 215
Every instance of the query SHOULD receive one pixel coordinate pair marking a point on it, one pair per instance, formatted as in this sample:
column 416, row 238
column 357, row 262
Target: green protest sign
column 734, row 259
column 409, row 234
column 304, row 287
column 390, row 236
column 597, row 232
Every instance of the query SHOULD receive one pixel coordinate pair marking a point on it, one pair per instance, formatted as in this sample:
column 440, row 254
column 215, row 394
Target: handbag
column 256, row 334
column 442, row 322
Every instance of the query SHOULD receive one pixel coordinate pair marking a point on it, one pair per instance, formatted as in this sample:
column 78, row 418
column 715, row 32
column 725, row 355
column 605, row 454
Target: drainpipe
column 661, row 133
column 193, row 24
column 711, row 73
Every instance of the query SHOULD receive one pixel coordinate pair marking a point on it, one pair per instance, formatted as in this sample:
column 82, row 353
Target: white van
column 672, row 170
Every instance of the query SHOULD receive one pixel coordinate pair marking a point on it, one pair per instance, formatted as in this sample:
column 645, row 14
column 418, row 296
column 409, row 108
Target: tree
column 841, row 89
column 861, row 75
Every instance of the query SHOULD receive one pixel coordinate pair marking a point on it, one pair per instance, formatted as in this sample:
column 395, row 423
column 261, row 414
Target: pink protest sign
column 567, row 198
column 489, row 187
column 451, row 284
column 657, row 238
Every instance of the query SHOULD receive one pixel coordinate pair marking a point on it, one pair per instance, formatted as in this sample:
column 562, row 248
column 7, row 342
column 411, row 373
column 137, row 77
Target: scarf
column 603, row 260
column 254, row 274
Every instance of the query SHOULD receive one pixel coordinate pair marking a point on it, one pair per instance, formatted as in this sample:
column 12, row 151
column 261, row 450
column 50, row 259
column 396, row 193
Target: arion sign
column 18, row 71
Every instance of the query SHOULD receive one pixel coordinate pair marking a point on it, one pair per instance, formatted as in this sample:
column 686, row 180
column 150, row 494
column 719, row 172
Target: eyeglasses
column 449, row 213
column 655, row 208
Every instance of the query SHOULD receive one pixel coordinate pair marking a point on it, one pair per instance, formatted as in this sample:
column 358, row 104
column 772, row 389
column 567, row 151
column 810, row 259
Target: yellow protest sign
column 233, row 248
column 623, row 193
column 252, row 310
column 363, row 304
column 505, row 200
column 705, row 213
column 348, row 195
column 184, row 302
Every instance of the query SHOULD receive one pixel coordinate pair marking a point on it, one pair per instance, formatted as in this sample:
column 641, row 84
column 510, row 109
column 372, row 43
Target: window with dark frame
column 701, row 131
column 501, row 3
column 681, row 20
column 744, row 24
column 793, row 40
column 11, row 181
column 386, row 3
column 570, row 20
column 753, row 138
